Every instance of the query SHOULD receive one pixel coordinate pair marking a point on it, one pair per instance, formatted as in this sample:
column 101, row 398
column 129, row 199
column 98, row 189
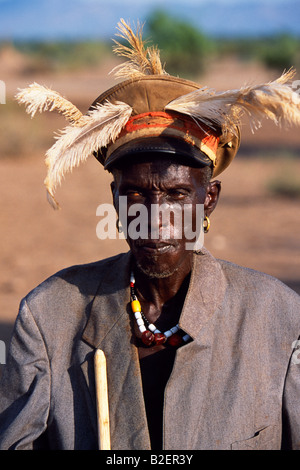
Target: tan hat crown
column 149, row 97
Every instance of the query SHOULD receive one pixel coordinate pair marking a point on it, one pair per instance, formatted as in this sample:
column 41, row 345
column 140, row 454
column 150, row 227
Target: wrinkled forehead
column 159, row 170
column 155, row 160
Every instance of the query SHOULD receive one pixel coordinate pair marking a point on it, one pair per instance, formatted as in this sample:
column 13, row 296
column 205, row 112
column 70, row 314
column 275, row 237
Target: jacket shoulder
column 61, row 304
column 72, row 282
column 255, row 283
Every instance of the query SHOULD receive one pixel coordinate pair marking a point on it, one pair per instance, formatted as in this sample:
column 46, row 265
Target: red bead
column 147, row 337
column 175, row 340
column 159, row 338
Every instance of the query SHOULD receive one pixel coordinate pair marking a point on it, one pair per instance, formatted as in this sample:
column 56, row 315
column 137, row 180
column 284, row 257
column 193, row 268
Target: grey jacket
column 235, row 386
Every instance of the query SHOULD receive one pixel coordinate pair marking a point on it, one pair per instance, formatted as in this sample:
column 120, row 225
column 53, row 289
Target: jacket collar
column 204, row 296
column 110, row 304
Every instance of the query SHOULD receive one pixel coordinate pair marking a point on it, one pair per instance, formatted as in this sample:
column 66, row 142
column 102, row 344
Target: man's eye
column 133, row 193
column 177, row 193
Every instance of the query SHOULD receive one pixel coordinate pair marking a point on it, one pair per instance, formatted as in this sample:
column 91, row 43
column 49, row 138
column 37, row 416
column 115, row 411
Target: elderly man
column 201, row 353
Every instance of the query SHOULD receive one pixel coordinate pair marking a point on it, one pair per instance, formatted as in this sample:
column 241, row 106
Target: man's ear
column 212, row 196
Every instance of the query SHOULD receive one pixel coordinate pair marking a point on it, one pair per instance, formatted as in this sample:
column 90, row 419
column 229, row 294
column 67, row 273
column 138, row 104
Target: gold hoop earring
column 206, row 224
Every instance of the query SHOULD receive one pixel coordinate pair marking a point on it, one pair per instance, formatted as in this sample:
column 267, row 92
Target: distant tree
column 183, row 48
column 280, row 52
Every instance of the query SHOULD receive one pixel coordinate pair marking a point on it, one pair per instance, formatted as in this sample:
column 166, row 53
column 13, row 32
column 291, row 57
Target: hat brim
column 172, row 147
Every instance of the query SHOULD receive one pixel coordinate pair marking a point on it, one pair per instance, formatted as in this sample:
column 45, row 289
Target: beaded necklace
column 150, row 334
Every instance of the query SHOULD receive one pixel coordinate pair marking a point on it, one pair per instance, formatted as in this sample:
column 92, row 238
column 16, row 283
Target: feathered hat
column 151, row 111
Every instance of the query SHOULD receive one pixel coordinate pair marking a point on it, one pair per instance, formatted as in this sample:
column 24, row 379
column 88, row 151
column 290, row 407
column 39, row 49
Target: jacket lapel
column 205, row 294
column 109, row 328
column 187, row 387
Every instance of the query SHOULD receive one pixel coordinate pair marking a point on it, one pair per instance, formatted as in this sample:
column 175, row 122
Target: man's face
column 161, row 183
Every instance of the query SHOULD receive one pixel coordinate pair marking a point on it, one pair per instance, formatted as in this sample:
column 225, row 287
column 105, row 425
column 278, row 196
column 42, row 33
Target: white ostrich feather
column 274, row 100
column 38, row 98
column 142, row 60
column 102, row 126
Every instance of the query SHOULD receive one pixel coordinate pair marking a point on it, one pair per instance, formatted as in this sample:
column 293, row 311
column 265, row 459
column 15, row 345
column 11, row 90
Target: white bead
column 151, row 327
column 140, row 321
column 132, row 278
column 142, row 328
column 137, row 315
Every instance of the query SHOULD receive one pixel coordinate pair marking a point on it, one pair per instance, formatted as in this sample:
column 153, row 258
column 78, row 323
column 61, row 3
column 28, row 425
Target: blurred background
column 223, row 44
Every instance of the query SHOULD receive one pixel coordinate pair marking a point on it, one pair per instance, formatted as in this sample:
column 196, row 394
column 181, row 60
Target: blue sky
column 76, row 19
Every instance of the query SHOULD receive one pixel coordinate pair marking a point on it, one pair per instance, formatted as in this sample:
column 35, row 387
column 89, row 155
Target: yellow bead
column 136, row 306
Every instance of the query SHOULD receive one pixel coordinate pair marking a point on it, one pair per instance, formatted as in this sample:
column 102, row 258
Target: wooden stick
column 102, row 400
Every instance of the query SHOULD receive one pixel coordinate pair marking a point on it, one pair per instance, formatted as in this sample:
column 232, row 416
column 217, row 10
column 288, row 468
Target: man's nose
column 153, row 204
column 165, row 220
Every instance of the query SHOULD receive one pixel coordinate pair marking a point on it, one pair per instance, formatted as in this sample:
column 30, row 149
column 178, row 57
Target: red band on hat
column 184, row 127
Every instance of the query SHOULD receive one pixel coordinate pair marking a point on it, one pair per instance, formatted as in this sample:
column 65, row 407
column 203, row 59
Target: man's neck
column 156, row 293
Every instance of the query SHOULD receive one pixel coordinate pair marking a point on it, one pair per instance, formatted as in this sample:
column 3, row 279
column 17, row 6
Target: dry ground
column 250, row 226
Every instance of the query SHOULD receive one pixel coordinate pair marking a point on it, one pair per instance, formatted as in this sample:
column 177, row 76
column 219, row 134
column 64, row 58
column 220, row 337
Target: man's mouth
column 156, row 247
